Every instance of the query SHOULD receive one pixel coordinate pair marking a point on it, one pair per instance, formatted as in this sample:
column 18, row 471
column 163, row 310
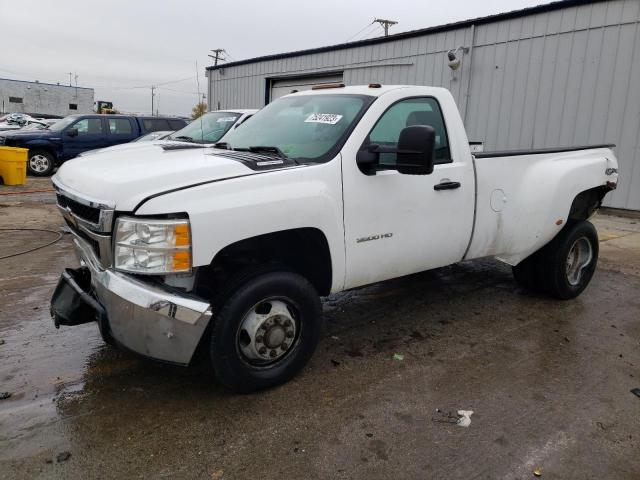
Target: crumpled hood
column 125, row 178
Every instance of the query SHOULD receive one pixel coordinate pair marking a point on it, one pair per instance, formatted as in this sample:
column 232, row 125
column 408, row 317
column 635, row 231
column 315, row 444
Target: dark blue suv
column 75, row 134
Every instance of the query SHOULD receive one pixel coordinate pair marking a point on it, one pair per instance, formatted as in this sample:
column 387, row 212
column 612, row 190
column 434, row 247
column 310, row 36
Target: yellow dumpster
column 13, row 165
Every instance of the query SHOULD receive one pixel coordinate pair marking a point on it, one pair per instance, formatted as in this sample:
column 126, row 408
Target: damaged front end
column 146, row 317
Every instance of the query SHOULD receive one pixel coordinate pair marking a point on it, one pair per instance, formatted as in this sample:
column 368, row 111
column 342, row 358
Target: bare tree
column 199, row 110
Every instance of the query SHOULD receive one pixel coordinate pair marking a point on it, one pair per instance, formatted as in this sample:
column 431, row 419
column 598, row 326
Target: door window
column 156, row 124
column 88, row 126
column 120, row 126
column 177, row 124
column 412, row 111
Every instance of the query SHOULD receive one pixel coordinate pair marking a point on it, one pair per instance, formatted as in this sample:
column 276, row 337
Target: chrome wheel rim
column 268, row 332
column 39, row 163
column 578, row 259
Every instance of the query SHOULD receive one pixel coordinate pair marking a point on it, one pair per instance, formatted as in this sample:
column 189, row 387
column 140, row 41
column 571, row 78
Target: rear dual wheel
column 564, row 267
column 265, row 331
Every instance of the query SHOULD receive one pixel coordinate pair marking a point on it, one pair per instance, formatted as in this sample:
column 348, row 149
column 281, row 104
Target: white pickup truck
column 229, row 248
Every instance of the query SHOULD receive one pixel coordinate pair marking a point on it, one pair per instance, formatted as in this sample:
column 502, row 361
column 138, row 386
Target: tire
column 266, row 331
column 41, row 163
column 565, row 274
column 564, row 267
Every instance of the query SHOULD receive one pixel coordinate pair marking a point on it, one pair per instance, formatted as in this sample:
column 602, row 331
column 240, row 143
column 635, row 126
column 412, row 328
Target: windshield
column 207, row 129
column 62, row 124
column 302, row 127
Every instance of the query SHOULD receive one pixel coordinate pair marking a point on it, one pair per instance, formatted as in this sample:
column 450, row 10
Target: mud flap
column 72, row 304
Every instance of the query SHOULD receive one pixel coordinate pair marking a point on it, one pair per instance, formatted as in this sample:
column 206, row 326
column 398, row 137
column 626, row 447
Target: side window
column 88, row 126
column 120, row 126
column 412, row 111
column 156, row 124
column 177, row 124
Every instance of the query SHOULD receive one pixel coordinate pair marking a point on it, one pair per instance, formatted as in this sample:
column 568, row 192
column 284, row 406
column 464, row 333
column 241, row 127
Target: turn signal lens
column 181, row 231
column 181, row 261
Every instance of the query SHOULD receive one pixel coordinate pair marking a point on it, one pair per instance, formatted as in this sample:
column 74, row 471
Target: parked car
column 75, row 134
column 15, row 118
column 230, row 248
column 15, row 121
column 38, row 124
column 212, row 128
column 150, row 137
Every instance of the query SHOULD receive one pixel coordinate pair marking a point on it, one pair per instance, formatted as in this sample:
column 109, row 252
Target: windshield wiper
column 270, row 149
column 223, row 145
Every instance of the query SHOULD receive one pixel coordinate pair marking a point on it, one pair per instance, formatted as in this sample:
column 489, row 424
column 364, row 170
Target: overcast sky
column 121, row 47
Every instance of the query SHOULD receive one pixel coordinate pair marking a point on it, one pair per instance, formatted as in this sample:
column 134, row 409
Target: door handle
column 446, row 186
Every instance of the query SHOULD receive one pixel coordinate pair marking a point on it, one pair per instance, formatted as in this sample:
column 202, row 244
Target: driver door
column 90, row 135
column 399, row 224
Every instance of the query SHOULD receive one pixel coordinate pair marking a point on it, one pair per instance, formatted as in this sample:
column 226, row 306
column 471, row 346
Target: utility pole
column 153, row 89
column 70, row 75
column 217, row 55
column 385, row 24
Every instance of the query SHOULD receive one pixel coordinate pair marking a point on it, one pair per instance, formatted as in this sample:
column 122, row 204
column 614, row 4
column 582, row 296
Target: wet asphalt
column 549, row 382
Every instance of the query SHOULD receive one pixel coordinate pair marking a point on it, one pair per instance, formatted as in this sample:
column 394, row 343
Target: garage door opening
column 280, row 87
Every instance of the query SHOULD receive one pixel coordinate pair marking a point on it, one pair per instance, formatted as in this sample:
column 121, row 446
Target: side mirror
column 72, row 132
column 415, row 153
column 416, row 150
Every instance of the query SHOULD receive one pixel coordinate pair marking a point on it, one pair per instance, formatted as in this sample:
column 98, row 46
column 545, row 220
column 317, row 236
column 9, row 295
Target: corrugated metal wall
column 558, row 78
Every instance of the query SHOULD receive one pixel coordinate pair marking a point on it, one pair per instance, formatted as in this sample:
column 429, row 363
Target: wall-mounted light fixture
column 455, row 57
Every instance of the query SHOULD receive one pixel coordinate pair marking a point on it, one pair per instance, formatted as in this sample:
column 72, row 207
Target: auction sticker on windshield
column 226, row 119
column 328, row 118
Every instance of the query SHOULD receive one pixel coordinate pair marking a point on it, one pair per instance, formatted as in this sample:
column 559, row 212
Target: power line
column 358, row 32
column 371, row 33
column 366, row 33
column 177, row 91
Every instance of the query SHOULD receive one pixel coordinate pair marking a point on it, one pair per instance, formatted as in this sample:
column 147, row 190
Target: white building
column 36, row 98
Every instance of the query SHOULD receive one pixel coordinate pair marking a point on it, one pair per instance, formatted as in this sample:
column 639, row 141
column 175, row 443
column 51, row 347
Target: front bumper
column 147, row 319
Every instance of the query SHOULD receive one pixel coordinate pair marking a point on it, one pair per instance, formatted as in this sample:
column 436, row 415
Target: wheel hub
column 579, row 257
column 267, row 331
column 39, row 163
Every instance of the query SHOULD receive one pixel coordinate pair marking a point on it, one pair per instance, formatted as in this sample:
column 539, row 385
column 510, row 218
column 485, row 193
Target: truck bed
column 523, row 197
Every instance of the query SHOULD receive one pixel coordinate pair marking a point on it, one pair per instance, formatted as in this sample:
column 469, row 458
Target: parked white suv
column 231, row 247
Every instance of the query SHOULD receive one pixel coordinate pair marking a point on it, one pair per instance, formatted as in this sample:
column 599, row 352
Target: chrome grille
column 85, row 212
column 89, row 219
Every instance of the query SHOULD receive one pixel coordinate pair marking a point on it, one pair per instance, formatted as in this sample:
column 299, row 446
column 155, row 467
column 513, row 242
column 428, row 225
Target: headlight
column 152, row 246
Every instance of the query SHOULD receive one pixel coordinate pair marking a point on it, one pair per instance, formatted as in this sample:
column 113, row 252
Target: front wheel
column 41, row 163
column 265, row 332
